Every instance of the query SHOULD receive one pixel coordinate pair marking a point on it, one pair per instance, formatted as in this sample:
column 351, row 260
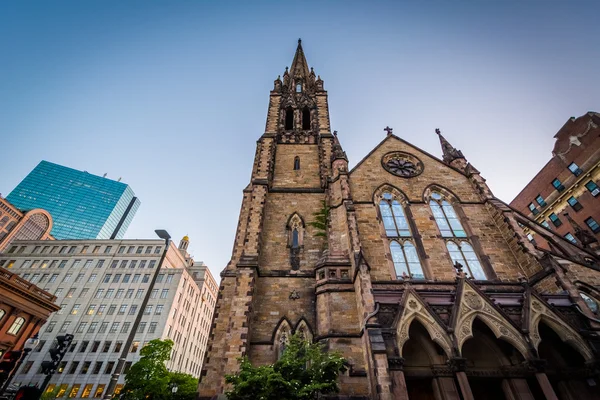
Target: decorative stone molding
column 539, row 312
column 472, row 305
column 414, row 309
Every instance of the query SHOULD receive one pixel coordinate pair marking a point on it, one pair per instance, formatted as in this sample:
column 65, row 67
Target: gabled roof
column 388, row 137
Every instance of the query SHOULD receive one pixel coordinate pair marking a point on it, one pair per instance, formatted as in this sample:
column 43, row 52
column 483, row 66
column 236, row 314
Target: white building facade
column 100, row 285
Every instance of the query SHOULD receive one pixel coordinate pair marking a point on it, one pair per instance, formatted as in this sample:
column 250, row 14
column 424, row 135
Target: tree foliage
column 304, row 371
column 149, row 378
column 320, row 222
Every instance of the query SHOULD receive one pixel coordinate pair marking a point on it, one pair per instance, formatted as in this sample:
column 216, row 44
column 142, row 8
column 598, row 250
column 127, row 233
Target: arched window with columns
column 463, row 253
column 397, row 229
column 445, row 217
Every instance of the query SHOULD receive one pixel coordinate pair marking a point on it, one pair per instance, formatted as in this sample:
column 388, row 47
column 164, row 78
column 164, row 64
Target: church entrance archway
column 492, row 365
column 421, row 355
column 560, row 358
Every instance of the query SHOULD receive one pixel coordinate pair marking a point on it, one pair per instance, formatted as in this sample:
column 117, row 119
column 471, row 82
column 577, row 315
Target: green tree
column 149, row 378
column 187, row 386
column 304, row 371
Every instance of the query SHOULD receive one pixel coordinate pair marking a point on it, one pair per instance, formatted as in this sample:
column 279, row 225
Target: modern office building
column 34, row 224
column 82, row 205
column 100, row 285
column 564, row 196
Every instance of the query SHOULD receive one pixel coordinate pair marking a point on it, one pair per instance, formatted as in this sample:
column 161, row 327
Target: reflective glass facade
column 82, row 205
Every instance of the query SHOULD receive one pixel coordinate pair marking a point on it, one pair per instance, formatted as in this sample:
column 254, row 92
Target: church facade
column 422, row 279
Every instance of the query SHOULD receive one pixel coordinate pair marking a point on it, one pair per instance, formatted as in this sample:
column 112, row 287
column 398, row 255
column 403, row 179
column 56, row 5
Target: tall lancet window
column 295, row 228
column 289, row 119
column 403, row 251
column 305, row 118
column 299, row 87
column 445, row 217
column 463, row 253
column 297, row 163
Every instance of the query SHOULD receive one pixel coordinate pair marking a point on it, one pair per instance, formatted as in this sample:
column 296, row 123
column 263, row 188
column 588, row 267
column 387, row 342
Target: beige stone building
column 425, row 281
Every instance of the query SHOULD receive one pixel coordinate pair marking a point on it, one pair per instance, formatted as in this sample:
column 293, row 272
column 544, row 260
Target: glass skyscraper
column 82, row 205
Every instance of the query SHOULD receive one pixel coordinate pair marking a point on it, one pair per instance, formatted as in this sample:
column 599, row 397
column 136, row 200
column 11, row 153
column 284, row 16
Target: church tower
column 422, row 279
column 267, row 289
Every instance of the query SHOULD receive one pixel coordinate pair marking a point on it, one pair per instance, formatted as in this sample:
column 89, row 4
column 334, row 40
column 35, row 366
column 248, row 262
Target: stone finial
column 449, row 152
column 388, row 130
column 583, row 235
column 337, row 152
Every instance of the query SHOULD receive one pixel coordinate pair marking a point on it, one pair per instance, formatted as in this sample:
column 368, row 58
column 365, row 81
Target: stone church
column 423, row 280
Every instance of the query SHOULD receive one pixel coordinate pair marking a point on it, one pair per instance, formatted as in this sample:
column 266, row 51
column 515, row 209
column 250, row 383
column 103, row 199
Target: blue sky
column 172, row 95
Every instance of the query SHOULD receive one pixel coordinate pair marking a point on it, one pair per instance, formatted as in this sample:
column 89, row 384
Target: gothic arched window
column 464, row 254
column 305, row 119
column 392, row 214
column 2, row 312
column 295, row 229
column 445, row 217
column 299, row 87
column 16, row 326
column 289, row 119
column 406, row 261
column 404, row 253
column 296, row 163
column 591, row 302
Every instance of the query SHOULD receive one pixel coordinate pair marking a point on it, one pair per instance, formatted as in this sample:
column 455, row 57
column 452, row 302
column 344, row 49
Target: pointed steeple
column 299, row 67
column 583, row 235
column 449, row 152
column 338, row 153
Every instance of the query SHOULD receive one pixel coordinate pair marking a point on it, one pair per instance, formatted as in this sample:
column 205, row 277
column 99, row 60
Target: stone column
column 458, row 365
column 539, row 366
column 396, row 367
column 517, row 389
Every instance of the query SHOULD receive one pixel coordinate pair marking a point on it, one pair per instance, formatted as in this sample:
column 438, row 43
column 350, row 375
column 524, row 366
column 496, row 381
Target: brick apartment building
column 568, row 183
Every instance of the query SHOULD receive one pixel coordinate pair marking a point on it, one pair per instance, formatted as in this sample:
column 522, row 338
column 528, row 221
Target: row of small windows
column 591, row 186
column 289, row 119
column 403, row 251
column 61, row 264
column 86, row 249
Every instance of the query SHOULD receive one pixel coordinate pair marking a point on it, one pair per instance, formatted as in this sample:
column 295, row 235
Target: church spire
column 299, row 68
column 449, row 152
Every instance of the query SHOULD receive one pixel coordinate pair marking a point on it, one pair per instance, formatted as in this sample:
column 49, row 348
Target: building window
column 65, row 327
column 540, row 200
column 148, row 250
column 50, row 326
column 558, row 185
column 95, row 346
column 122, row 309
column 592, row 224
column 106, row 346
column 299, row 87
column 99, row 388
column 593, row 188
column 169, row 278
column 125, row 327
column 289, row 119
column 570, row 238
column 533, row 209
column 114, row 327
column 296, row 163
column 152, row 327
column 16, row 326
column 591, row 303
column 406, row 261
column 135, row 346
column 87, row 390
column 574, row 203
column 159, row 309
column 103, row 327
column 111, row 309
column 464, row 254
column 305, row 119
column 392, row 215
column 81, row 327
column 164, row 294
column 445, row 217
column 574, row 168
column 555, row 220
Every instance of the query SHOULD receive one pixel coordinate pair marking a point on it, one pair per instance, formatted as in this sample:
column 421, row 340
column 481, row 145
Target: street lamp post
column 121, row 362
column 30, row 344
column 174, row 388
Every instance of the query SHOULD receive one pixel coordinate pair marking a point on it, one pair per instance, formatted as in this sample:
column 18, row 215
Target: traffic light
column 57, row 353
